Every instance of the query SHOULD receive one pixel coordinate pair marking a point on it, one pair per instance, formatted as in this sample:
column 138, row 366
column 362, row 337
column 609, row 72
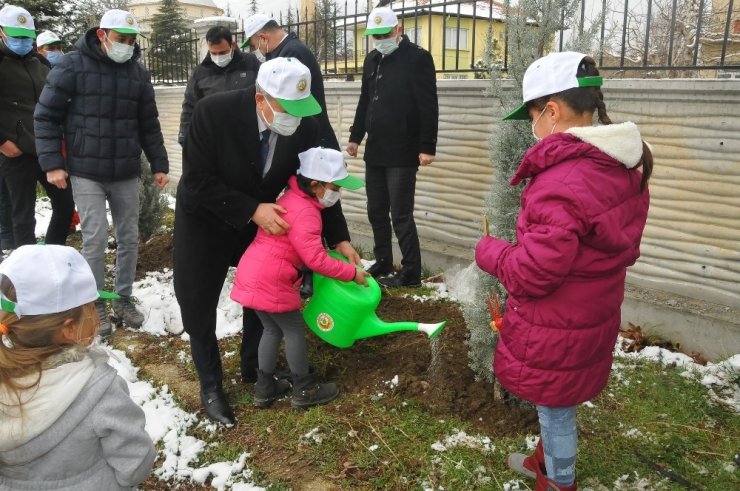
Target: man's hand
column 425, row 159
column 58, row 177
column 266, row 217
column 361, row 276
column 352, row 149
column 10, row 150
column 161, row 179
column 345, row 249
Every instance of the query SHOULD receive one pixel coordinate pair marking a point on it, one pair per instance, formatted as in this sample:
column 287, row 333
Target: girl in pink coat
column 583, row 212
column 268, row 277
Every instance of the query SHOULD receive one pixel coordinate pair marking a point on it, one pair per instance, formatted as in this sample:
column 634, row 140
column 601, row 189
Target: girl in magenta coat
column 583, row 212
column 268, row 277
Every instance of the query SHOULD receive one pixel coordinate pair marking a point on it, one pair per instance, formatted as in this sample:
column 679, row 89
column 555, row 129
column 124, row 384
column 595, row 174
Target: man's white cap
column 252, row 25
column 49, row 279
column 381, row 20
column 549, row 75
column 288, row 81
column 47, row 37
column 120, row 21
column 327, row 165
column 17, row 22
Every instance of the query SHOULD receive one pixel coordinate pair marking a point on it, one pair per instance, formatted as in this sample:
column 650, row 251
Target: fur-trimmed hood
column 613, row 144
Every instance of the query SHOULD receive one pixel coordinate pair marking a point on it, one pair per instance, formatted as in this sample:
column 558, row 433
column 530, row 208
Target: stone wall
column 691, row 240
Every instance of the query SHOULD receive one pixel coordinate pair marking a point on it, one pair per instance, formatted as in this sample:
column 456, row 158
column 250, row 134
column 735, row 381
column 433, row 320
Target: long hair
column 589, row 100
column 32, row 339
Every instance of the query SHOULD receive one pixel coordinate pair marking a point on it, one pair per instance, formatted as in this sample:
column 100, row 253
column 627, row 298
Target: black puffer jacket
column 108, row 113
column 209, row 78
column 21, row 81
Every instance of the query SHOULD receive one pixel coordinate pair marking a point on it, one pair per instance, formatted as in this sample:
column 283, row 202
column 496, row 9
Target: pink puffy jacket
column 268, row 275
column 579, row 229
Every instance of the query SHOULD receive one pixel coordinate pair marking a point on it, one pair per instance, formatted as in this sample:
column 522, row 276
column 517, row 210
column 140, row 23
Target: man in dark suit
column 241, row 148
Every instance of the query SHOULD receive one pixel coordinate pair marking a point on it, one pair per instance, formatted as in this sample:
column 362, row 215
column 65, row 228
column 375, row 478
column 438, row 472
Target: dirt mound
column 154, row 255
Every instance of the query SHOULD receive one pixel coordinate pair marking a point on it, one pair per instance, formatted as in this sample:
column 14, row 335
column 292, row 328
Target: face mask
column 330, row 197
column 386, row 46
column 262, row 55
column 534, row 123
column 222, row 60
column 54, row 57
column 259, row 56
column 119, row 52
column 19, row 46
column 282, row 123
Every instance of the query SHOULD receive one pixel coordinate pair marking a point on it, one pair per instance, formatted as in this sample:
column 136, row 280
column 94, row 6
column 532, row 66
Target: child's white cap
column 120, row 21
column 327, row 165
column 288, row 81
column 381, row 20
column 252, row 25
column 17, row 22
column 47, row 37
column 549, row 75
column 49, row 279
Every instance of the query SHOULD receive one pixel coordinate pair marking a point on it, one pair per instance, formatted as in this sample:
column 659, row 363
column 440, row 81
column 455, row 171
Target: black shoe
column 249, row 376
column 269, row 389
column 397, row 280
column 216, row 406
column 307, row 392
column 380, row 268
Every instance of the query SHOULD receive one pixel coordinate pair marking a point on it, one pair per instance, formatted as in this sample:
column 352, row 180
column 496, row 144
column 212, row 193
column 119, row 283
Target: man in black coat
column 240, row 151
column 269, row 40
column 398, row 110
column 224, row 68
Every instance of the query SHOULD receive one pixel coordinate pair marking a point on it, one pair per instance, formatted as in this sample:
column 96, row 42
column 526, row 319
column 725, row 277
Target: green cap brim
column 378, row 30
column 126, row 30
column 521, row 111
column 350, row 182
column 16, row 32
column 302, row 107
column 245, row 43
column 104, row 295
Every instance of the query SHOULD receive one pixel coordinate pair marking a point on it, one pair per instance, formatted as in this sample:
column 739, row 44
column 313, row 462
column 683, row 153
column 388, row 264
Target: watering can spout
column 372, row 326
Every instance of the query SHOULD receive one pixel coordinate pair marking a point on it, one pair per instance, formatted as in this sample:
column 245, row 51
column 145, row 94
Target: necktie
column 265, row 148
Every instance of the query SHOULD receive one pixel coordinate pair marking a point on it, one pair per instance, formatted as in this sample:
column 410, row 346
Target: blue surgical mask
column 54, row 57
column 19, row 46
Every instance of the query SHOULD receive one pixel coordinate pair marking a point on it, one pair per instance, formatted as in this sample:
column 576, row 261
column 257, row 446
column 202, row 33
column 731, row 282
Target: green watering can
column 341, row 312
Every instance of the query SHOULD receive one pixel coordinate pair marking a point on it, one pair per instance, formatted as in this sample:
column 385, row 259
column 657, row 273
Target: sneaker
column 106, row 328
column 126, row 311
column 308, row 393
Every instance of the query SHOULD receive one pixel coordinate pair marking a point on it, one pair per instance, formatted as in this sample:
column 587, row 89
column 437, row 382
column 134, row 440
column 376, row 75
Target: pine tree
column 152, row 203
column 172, row 52
column 253, row 7
column 527, row 41
column 169, row 21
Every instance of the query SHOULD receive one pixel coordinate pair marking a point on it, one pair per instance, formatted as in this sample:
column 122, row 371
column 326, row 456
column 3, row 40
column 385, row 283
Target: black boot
column 307, row 392
column 216, row 406
column 269, row 389
column 380, row 268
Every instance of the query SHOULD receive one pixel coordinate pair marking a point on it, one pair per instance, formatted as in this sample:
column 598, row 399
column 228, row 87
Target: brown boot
column 528, row 465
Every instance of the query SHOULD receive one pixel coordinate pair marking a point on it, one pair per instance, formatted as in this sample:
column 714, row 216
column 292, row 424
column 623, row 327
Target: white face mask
column 262, row 55
column 119, row 52
column 282, row 123
column 330, row 197
column 386, row 46
column 534, row 123
column 222, row 60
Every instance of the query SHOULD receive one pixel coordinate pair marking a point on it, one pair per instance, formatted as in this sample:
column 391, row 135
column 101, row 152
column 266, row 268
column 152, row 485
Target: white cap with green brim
column 381, row 20
column 17, row 22
column 47, row 37
column 252, row 25
column 288, row 81
column 550, row 75
column 120, row 21
column 327, row 165
column 49, row 279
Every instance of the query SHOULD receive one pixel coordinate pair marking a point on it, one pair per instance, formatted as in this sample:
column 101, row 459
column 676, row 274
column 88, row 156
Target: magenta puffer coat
column 268, row 274
column 579, row 228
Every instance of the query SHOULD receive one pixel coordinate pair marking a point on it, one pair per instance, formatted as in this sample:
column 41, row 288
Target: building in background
column 143, row 10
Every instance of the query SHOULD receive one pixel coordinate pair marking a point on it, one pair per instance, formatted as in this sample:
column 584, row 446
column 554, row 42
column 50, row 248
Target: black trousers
column 203, row 252
column 390, row 200
column 21, row 175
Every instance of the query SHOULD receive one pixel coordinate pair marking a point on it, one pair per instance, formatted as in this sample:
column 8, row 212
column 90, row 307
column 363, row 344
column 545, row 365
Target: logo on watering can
column 325, row 322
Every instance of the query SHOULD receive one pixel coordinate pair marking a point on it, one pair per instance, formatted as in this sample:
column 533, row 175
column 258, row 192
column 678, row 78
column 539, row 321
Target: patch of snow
column 392, row 383
column 531, row 441
column 632, row 433
column 373, row 448
column 514, row 485
column 462, row 439
column 313, row 436
column 224, row 473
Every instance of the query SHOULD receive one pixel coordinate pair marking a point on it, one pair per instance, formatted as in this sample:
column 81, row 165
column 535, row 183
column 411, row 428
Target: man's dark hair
column 270, row 26
column 216, row 34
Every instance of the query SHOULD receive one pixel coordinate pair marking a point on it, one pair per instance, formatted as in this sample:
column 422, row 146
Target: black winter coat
column 221, row 183
column 398, row 107
column 209, row 78
column 292, row 47
column 108, row 113
column 21, row 81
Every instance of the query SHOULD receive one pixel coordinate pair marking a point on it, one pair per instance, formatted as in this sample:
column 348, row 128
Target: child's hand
column 360, row 275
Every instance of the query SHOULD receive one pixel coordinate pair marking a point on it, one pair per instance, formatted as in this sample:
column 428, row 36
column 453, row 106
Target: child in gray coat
column 67, row 419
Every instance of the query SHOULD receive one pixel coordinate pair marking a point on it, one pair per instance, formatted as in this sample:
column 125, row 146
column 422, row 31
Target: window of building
column 415, row 35
column 451, row 38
